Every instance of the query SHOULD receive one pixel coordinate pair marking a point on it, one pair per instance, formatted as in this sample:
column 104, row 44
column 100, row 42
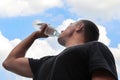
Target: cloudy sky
column 17, row 17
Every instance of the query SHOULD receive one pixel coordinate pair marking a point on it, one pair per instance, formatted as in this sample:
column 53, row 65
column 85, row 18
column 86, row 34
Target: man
column 83, row 59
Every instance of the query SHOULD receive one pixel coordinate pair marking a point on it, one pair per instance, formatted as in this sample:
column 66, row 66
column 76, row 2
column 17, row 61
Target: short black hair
column 91, row 31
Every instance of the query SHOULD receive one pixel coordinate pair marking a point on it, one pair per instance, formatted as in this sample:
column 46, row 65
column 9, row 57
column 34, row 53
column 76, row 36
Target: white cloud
column 103, row 35
column 4, row 48
column 119, row 46
column 95, row 9
column 39, row 49
column 45, row 47
column 65, row 24
column 116, row 54
column 10, row 8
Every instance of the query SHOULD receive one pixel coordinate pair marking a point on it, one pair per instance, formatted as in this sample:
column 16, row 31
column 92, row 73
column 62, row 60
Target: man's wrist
column 36, row 35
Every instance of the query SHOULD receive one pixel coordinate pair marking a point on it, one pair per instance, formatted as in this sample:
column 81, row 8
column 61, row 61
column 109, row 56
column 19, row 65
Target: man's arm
column 102, row 75
column 16, row 61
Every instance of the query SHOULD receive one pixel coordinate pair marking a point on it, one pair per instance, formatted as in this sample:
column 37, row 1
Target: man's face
column 67, row 33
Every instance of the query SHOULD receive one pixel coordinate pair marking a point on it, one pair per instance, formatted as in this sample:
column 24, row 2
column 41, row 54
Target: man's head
column 79, row 32
column 91, row 31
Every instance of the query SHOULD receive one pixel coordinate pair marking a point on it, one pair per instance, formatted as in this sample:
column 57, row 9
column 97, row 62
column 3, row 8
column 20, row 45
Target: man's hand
column 40, row 33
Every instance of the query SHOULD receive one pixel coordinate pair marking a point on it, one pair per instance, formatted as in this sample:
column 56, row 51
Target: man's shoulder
column 95, row 43
column 86, row 46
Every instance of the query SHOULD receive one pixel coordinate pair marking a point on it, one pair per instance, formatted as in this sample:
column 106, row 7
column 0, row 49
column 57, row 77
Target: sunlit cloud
column 95, row 9
column 12, row 8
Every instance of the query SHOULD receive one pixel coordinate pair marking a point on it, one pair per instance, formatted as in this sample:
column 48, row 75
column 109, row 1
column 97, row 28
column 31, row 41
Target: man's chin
column 61, row 41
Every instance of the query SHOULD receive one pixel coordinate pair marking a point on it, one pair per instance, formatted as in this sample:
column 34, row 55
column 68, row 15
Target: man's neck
column 74, row 45
column 76, row 39
column 71, row 43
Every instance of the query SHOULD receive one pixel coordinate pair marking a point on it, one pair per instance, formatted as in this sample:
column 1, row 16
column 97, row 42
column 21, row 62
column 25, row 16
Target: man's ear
column 80, row 27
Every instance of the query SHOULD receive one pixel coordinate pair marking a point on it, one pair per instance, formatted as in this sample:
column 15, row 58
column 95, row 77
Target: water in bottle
column 50, row 31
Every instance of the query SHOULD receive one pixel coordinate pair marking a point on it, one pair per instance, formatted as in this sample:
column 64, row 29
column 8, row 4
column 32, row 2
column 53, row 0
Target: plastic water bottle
column 50, row 31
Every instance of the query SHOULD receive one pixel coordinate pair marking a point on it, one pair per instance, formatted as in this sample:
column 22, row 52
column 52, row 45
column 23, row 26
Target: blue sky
column 17, row 16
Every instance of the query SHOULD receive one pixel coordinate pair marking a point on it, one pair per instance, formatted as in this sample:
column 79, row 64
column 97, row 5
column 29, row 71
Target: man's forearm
column 22, row 47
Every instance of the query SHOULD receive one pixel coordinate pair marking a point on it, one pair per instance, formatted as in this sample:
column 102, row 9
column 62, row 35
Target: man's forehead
column 78, row 22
